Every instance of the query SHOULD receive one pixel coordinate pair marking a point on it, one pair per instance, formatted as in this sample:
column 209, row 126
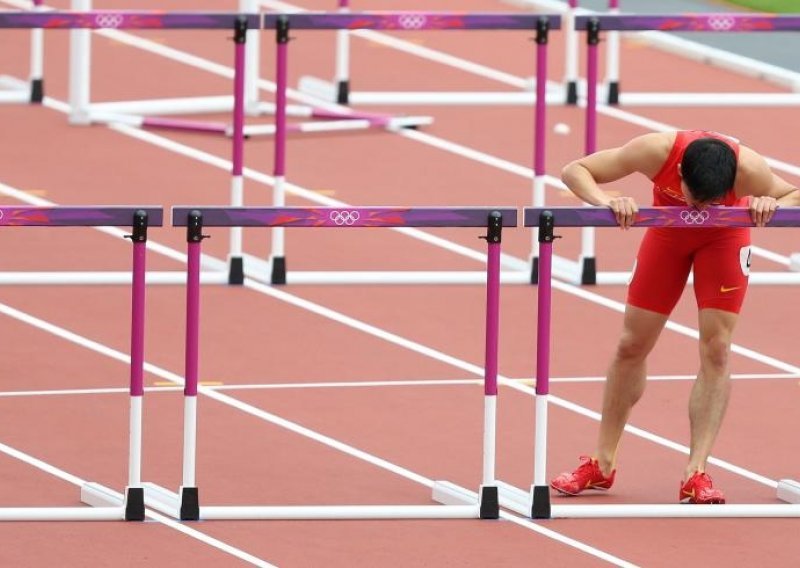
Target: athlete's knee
column 633, row 347
column 715, row 351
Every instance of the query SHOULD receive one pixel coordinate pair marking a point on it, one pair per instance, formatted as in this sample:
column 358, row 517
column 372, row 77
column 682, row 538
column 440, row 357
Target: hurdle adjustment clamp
column 494, row 227
column 240, row 30
column 546, row 226
column 282, row 30
column 194, row 227
column 139, row 225
column 542, row 30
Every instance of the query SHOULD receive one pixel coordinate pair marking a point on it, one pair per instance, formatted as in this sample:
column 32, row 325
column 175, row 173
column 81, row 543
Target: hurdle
column 150, row 113
column 398, row 21
column 725, row 22
column 131, row 508
column 537, row 503
column 81, row 23
column 185, row 503
column 593, row 25
column 339, row 90
column 667, row 42
column 15, row 91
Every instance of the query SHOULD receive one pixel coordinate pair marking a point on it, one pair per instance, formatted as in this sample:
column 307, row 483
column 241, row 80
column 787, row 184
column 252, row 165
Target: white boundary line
column 183, row 528
column 374, row 384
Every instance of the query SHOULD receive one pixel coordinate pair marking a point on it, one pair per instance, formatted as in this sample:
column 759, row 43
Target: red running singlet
column 719, row 257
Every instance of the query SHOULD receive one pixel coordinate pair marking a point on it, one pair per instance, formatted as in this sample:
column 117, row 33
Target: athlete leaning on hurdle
column 688, row 168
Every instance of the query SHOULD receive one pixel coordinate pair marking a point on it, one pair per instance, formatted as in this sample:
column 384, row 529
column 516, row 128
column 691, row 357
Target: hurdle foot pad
column 278, row 270
column 190, row 504
column 134, row 504
column 540, row 508
column 236, row 270
column 789, row 491
column 490, row 503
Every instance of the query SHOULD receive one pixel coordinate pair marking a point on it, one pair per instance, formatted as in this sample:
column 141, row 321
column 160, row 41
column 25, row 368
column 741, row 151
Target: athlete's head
column 708, row 169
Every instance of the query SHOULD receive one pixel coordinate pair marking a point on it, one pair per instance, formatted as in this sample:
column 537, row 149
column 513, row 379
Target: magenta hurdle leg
column 278, row 275
column 190, row 502
column 134, row 493
column 489, row 499
column 540, row 493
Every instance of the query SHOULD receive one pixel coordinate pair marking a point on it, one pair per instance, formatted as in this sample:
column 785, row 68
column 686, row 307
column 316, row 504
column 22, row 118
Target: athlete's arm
column 768, row 190
column 643, row 154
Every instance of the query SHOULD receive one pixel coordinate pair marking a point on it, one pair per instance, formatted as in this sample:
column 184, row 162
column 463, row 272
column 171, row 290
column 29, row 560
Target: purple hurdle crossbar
column 713, row 22
column 125, row 19
column 408, row 21
column 549, row 218
column 196, row 218
column 139, row 218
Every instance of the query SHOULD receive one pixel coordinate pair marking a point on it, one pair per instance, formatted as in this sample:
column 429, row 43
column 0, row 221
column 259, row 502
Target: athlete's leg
column 711, row 390
column 659, row 277
column 721, row 271
column 626, row 380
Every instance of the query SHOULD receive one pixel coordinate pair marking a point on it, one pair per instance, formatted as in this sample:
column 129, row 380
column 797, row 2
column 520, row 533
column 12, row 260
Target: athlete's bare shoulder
column 649, row 151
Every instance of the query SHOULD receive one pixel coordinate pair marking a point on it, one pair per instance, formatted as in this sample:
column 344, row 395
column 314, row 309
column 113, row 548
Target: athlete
column 697, row 169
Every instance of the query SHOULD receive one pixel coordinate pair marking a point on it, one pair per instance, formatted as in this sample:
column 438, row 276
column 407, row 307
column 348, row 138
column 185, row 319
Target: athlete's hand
column 762, row 209
column 624, row 209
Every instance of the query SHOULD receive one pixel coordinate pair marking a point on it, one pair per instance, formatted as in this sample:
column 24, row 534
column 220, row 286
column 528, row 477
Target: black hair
column 708, row 168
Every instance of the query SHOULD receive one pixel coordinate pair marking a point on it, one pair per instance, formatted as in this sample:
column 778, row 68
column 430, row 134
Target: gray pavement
column 777, row 48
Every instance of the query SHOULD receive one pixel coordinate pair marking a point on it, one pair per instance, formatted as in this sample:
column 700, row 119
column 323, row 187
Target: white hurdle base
column 168, row 502
column 402, row 277
column 518, row 500
column 789, row 491
column 327, row 91
column 14, row 90
column 62, row 514
column 339, row 512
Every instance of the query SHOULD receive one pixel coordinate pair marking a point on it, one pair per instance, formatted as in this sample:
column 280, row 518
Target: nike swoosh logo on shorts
column 725, row 289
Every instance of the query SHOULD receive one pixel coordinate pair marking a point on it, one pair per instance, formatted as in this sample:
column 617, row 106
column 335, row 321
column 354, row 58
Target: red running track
column 261, row 343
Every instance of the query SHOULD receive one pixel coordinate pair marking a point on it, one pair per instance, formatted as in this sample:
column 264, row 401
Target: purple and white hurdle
column 185, row 504
column 537, row 503
column 340, row 91
column 593, row 26
column 32, row 91
column 130, row 505
column 398, row 21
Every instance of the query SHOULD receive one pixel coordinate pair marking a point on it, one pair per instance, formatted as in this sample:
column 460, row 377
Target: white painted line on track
column 180, row 527
column 375, row 384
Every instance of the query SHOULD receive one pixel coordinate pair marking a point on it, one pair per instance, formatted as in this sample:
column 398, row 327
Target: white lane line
column 183, row 528
column 375, row 384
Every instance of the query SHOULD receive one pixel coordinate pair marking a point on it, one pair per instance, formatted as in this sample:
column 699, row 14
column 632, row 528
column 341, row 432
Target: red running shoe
column 587, row 476
column 698, row 490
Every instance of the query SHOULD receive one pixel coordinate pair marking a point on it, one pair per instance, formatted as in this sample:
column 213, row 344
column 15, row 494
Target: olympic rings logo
column 721, row 23
column 108, row 20
column 694, row 217
column 344, row 217
column 412, row 21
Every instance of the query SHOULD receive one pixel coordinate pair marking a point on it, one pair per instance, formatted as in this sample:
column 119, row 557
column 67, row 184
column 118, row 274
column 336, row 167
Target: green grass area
column 777, row 6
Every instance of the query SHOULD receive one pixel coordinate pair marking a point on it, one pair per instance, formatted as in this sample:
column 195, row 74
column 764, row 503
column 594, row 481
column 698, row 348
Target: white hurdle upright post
column 677, row 218
column 37, row 59
column 110, row 505
column 485, row 506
